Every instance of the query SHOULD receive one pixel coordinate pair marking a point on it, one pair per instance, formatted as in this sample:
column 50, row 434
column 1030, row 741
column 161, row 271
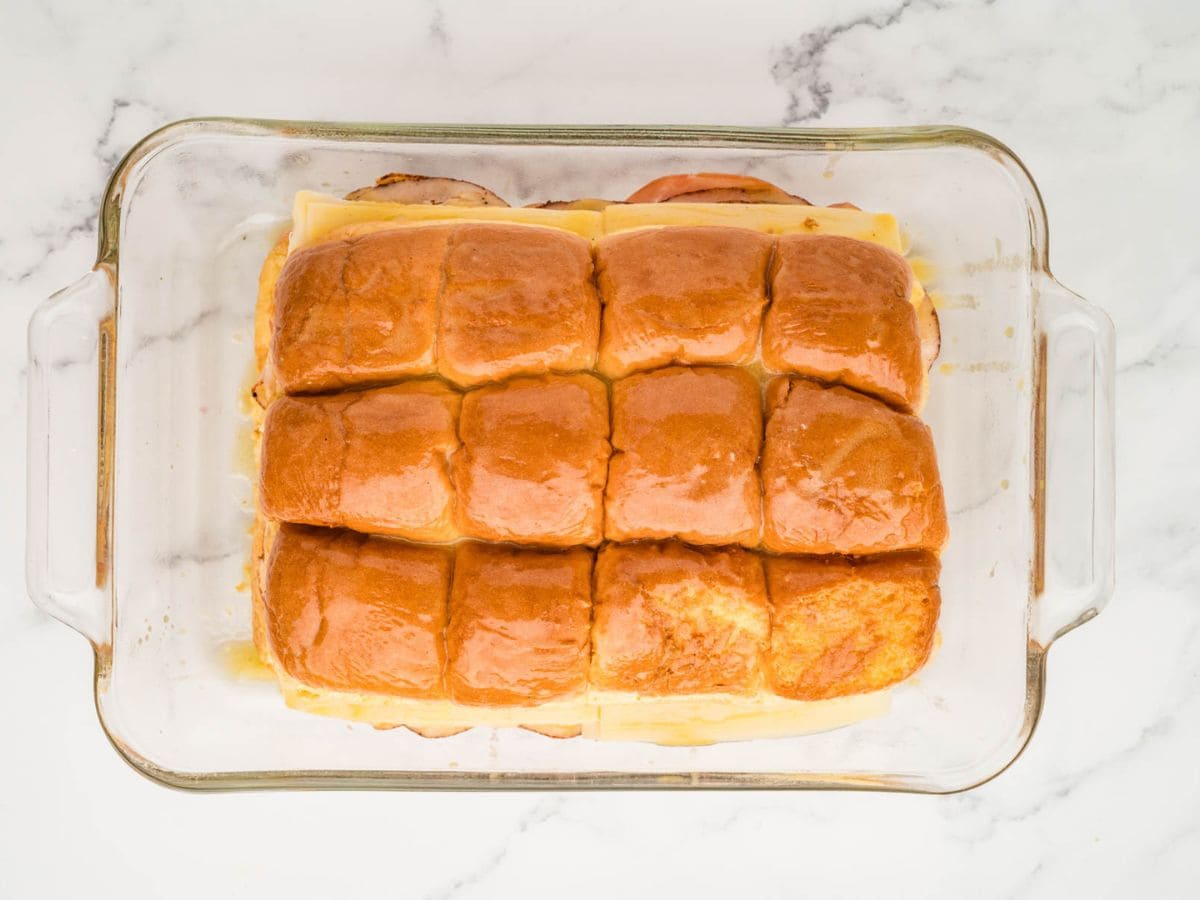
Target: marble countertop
column 1102, row 101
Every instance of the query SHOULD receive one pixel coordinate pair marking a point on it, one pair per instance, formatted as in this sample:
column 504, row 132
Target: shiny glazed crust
column 672, row 619
column 376, row 461
column 843, row 473
column 832, row 299
column 334, row 619
column 685, row 442
column 360, row 617
column 680, row 295
column 533, row 461
column 360, row 311
column 519, row 625
column 516, row 300
column 528, row 629
column 840, row 626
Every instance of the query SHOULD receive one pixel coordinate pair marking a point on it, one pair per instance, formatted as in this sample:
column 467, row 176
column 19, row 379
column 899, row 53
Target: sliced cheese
column 879, row 228
column 315, row 216
column 603, row 715
column 385, row 710
column 710, row 718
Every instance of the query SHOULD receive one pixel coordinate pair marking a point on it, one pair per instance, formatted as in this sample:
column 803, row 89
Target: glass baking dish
column 140, row 468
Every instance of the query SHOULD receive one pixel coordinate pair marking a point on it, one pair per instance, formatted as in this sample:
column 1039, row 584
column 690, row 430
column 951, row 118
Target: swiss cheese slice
column 604, row 715
column 879, row 228
column 315, row 216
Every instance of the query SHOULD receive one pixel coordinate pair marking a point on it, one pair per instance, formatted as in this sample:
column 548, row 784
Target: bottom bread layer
column 601, row 715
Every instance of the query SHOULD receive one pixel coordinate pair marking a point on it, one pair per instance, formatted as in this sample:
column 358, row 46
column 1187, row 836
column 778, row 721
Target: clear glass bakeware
column 140, row 471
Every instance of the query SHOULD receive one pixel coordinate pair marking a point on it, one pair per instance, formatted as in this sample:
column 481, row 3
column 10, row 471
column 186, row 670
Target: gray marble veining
column 1102, row 101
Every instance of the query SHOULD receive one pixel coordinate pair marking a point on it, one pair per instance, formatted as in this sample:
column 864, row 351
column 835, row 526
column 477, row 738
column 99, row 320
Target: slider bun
column 671, row 619
column 843, row 473
column 519, row 625
column 375, row 461
column 842, row 627
column 515, row 299
column 533, row 461
column 349, row 612
column 841, row 312
column 685, row 442
column 680, row 295
column 359, row 311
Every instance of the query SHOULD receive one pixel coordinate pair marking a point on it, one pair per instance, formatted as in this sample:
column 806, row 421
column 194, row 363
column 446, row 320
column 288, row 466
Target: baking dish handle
column 1076, row 482
column 66, row 528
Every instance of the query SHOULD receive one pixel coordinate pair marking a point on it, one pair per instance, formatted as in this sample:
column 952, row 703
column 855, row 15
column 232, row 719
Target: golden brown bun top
column 374, row 460
column 843, row 627
column 355, row 613
column 685, row 445
column 841, row 312
column 300, row 470
column 671, row 619
column 519, row 625
column 533, row 460
column 689, row 295
column 516, row 299
column 358, row 311
column 843, row 473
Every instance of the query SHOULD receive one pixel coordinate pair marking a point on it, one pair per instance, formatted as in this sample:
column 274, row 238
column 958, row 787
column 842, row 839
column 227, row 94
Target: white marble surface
column 1102, row 101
